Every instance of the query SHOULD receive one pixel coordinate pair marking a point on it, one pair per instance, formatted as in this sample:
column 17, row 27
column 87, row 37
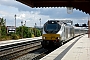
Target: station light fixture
column 69, row 10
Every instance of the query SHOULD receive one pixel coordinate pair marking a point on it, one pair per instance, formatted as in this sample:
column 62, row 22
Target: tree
column 38, row 33
column 26, row 33
column 18, row 31
column 2, row 23
column 77, row 25
column 3, row 31
column 84, row 25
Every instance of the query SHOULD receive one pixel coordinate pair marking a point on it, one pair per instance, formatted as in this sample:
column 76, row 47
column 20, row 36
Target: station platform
column 9, row 42
column 76, row 49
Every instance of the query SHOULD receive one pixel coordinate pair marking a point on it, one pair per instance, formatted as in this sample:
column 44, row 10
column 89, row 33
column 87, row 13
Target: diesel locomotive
column 56, row 32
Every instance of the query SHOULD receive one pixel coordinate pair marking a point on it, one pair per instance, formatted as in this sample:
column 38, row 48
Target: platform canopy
column 82, row 5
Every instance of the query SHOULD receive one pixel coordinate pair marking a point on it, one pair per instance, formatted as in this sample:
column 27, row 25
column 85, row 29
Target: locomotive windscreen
column 52, row 27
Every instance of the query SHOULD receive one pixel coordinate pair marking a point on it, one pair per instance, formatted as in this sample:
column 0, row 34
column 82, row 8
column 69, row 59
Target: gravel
column 28, row 56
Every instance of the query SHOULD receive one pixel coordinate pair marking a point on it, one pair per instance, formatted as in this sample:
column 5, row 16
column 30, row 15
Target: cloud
column 30, row 18
column 13, row 3
column 52, row 12
column 32, row 15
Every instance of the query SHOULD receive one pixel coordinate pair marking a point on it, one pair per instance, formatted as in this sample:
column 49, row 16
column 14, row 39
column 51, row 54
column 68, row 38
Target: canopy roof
column 82, row 5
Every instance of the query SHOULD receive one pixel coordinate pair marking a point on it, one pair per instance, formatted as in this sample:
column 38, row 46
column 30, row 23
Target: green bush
column 2, row 38
column 38, row 33
column 14, row 36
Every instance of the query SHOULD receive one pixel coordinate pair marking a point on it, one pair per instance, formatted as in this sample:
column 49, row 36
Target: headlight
column 58, row 38
column 43, row 37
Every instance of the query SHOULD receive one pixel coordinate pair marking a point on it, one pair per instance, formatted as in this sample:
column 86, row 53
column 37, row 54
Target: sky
column 8, row 9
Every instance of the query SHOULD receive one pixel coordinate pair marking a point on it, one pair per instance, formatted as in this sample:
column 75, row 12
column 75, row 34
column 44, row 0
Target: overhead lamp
column 69, row 10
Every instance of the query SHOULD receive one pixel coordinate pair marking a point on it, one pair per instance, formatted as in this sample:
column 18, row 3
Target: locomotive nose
column 51, row 37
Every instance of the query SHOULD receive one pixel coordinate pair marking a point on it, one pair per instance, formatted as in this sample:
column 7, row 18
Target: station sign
column 11, row 29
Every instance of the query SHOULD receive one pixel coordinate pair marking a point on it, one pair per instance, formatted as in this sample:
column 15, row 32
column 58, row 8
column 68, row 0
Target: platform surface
column 80, row 51
column 76, row 49
column 9, row 42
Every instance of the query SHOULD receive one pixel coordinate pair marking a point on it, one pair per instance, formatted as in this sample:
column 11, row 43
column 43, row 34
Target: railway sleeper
column 2, row 53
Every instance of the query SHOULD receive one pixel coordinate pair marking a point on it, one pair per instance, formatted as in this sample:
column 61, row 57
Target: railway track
column 34, row 55
column 11, row 52
column 39, row 53
column 24, row 51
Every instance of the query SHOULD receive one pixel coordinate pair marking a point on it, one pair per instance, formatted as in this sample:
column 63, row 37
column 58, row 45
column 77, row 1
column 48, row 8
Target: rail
column 14, row 50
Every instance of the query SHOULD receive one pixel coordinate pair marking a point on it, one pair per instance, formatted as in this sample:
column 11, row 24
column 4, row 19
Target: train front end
column 50, row 36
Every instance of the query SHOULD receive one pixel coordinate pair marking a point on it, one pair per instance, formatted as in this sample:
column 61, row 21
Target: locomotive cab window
column 52, row 27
